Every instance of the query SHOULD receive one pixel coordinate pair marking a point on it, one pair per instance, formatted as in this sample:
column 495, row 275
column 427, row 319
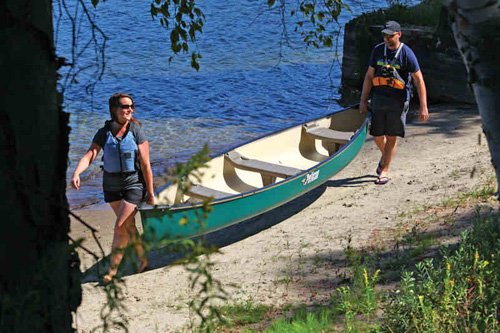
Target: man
column 392, row 67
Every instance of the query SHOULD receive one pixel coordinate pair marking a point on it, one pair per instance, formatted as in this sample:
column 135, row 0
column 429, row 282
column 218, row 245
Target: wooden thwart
column 201, row 191
column 323, row 133
column 271, row 169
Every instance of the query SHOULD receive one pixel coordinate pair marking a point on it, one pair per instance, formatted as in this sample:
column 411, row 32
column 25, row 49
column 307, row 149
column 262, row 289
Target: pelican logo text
column 310, row 177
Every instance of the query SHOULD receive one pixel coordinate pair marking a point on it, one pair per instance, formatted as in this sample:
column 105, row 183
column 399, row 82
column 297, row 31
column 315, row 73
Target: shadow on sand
column 220, row 238
column 232, row 234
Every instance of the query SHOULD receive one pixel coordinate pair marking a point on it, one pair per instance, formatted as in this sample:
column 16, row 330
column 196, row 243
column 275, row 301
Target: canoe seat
column 271, row 169
column 204, row 192
column 323, row 133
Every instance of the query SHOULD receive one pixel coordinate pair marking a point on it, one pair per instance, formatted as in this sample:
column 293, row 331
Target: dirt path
column 294, row 254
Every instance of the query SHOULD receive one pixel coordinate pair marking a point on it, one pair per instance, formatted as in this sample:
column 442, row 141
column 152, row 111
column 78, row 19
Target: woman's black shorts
column 389, row 116
column 123, row 186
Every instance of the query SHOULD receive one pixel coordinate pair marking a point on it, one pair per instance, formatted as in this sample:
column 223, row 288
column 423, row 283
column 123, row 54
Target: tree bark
column 476, row 27
column 37, row 292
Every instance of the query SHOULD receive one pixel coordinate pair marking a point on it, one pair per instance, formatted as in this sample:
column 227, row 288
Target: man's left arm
column 418, row 78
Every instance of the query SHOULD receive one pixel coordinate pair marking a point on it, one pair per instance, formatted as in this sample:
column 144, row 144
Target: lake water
column 249, row 83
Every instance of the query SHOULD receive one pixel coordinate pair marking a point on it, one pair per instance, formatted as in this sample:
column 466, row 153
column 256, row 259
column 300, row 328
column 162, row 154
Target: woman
column 127, row 175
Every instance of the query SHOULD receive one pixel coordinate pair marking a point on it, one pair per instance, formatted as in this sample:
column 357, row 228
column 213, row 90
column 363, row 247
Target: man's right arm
column 367, row 87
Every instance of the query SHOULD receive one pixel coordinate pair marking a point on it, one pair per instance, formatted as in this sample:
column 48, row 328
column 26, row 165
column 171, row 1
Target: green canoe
column 258, row 176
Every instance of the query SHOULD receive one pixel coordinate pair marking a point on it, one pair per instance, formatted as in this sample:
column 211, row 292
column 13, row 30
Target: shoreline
column 292, row 254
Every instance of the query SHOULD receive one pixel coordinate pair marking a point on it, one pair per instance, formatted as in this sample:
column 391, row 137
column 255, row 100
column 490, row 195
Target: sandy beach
column 294, row 253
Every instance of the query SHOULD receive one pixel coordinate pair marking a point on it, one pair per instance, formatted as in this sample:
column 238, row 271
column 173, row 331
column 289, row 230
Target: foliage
column 317, row 21
column 195, row 258
column 113, row 312
column 428, row 298
column 304, row 321
column 77, row 71
column 183, row 19
column 208, row 290
column 458, row 294
column 243, row 313
column 192, row 168
column 361, row 298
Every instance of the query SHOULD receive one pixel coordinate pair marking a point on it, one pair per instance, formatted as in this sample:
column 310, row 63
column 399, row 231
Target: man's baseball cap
column 391, row 27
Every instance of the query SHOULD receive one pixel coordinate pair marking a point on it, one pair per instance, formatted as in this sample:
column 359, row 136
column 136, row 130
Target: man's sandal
column 382, row 180
column 380, row 166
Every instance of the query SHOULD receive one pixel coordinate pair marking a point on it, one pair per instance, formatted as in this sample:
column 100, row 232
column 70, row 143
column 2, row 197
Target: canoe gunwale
column 236, row 196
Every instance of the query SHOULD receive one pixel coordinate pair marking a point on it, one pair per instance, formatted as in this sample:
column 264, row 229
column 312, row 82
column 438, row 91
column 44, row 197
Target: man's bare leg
column 380, row 142
column 388, row 154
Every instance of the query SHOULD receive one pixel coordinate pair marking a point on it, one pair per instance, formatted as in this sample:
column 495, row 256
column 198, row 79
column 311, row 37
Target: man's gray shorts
column 389, row 116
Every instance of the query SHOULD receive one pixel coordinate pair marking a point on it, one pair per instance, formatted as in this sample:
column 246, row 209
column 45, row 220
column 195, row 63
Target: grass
column 244, row 313
column 304, row 322
column 414, row 287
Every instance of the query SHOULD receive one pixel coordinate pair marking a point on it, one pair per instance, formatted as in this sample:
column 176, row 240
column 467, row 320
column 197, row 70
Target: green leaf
column 270, row 3
column 328, row 42
column 95, row 3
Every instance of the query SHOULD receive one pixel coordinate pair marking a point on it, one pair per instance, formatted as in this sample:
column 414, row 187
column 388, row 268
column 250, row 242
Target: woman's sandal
column 107, row 278
column 143, row 266
column 110, row 276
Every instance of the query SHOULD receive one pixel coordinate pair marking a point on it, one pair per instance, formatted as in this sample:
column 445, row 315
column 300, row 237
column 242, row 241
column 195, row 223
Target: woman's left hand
column 150, row 198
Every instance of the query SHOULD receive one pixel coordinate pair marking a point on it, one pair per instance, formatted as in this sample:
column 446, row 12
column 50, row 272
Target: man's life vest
column 120, row 154
column 388, row 76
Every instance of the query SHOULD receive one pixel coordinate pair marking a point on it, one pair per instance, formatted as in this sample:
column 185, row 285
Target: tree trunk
column 37, row 292
column 476, row 27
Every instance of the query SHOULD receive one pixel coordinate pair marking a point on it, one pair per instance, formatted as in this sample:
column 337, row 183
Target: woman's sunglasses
column 127, row 106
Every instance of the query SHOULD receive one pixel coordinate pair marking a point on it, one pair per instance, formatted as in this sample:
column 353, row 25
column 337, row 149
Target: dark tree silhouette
column 37, row 293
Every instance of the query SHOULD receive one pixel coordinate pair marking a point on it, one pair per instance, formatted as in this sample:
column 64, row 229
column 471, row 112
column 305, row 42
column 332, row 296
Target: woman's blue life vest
column 120, row 154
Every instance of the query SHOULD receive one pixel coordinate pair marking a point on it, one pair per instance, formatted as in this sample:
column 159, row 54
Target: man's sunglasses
column 127, row 106
column 389, row 36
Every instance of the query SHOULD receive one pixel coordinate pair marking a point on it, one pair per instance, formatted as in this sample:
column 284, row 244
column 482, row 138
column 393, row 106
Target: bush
column 458, row 294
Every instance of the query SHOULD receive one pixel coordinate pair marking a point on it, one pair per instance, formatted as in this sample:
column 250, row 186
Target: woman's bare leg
column 135, row 240
column 125, row 212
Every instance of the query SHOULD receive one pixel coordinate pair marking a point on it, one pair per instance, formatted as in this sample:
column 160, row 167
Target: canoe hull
column 184, row 222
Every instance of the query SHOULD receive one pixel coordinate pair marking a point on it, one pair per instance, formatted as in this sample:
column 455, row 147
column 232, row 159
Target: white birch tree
column 476, row 27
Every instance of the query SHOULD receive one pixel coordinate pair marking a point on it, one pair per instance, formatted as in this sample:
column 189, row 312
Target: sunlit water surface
column 249, row 83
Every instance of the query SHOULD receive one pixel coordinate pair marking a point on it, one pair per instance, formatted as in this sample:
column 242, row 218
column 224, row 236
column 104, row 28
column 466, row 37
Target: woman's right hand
column 84, row 163
column 75, row 182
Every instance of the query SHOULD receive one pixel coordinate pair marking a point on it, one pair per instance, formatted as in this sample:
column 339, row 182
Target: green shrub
column 304, row 322
column 458, row 294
